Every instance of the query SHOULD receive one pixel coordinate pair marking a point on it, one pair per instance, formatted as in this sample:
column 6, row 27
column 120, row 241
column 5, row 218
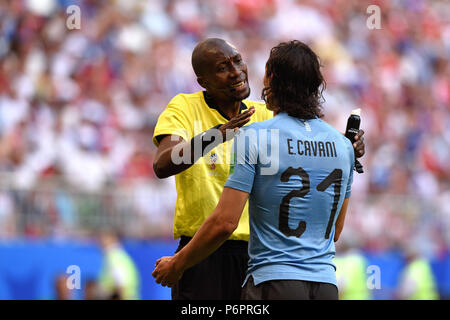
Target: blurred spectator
column 119, row 278
column 91, row 290
column 351, row 267
column 62, row 290
column 417, row 281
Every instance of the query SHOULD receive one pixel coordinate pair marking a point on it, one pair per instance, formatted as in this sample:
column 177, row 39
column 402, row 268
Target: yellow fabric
column 199, row 187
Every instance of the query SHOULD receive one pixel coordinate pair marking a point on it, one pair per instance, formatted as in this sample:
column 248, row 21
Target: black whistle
column 352, row 129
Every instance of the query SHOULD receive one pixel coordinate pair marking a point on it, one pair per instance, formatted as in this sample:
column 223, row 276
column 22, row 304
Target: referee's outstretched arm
column 164, row 166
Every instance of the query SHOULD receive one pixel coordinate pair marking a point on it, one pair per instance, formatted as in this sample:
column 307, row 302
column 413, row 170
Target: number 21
column 283, row 221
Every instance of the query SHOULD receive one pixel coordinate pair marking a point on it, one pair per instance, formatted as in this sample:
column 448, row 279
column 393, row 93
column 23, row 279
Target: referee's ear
column 202, row 82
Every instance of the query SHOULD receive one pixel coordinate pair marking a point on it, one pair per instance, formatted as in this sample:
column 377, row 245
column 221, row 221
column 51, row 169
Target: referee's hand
column 358, row 145
column 235, row 123
column 165, row 272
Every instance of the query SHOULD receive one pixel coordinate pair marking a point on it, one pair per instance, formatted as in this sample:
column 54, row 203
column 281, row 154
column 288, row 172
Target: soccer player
column 295, row 214
column 183, row 125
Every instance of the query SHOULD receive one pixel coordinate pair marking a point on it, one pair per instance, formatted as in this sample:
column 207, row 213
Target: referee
column 179, row 133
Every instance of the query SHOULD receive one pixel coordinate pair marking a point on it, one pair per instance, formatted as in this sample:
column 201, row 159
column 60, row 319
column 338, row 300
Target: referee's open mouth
column 240, row 88
column 238, row 85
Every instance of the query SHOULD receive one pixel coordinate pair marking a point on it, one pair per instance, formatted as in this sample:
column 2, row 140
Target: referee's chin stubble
column 244, row 94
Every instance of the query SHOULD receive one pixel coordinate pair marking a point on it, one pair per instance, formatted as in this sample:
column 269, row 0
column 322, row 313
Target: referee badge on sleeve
column 213, row 160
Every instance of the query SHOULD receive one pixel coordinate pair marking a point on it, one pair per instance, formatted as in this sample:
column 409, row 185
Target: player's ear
column 270, row 76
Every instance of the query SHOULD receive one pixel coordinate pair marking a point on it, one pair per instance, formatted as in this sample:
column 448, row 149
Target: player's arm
column 172, row 147
column 216, row 229
column 339, row 226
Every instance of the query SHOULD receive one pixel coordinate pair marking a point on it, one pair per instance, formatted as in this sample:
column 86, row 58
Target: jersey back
column 298, row 174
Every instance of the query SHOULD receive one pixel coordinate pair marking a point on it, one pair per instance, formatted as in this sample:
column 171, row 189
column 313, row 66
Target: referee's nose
column 235, row 72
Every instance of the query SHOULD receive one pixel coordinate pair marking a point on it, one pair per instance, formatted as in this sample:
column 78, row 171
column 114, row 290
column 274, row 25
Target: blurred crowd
column 80, row 105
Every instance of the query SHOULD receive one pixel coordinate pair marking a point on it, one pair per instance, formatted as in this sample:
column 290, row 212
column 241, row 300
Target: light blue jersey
column 295, row 198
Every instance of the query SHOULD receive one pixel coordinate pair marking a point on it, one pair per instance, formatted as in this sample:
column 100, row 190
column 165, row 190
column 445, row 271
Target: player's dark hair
column 295, row 81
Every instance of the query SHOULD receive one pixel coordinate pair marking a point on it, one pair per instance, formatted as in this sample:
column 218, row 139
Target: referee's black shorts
column 218, row 277
column 289, row 290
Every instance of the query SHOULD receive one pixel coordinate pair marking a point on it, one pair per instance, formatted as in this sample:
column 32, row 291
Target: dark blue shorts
column 289, row 290
column 218, row 277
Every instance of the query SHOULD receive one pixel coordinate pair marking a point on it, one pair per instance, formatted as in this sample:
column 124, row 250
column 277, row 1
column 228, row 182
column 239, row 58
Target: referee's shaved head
column 220, row 70
column 201, row 58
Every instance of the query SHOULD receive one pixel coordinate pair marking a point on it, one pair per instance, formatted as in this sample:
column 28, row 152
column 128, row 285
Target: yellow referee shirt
column 199, row 187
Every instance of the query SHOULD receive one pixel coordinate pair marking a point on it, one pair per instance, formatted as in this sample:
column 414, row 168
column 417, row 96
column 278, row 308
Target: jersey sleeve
column 173, row 120
column 244, row 159
column 348, row 191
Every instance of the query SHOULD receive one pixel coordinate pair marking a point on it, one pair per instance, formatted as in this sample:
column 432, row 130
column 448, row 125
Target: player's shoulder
column 335, row 134
column 261, row 111
column 325, row 125
column 329, row 128
column 264, row 124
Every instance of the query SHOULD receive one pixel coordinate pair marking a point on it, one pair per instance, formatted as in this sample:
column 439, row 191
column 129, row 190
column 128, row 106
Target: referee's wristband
column 206, row 141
